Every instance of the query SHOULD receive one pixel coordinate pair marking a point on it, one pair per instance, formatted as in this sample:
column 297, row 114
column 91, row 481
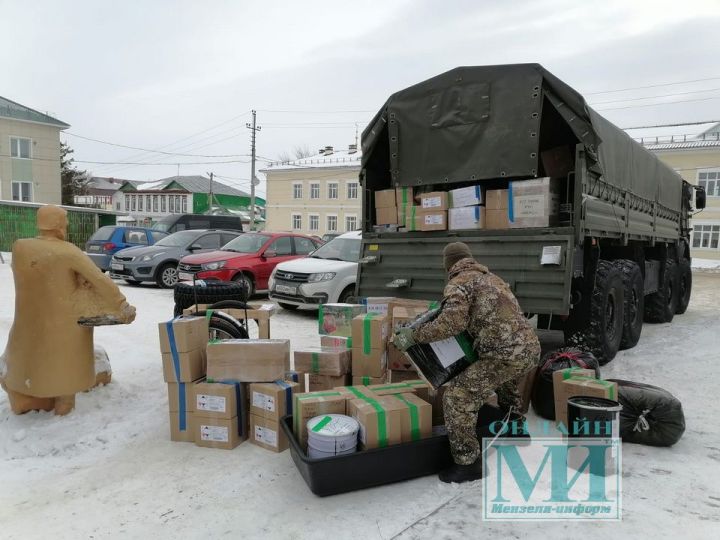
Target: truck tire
column 660, row 306
column 209, row 292
column 634, row 303
column 684, row 286
column 599, row 329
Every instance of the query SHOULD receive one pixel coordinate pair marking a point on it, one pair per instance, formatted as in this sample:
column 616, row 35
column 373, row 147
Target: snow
column 706, row 264
column 339, row 158
column 109, row 469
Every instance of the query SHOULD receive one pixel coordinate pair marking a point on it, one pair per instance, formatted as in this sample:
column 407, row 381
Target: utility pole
column 210, row 205
column 254, row 128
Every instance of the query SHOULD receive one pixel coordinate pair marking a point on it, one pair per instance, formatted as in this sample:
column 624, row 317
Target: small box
column 415, row 386
column 378, row 304
column 403, row 196
column 335, row 342
column 385, row 198
column 336, row 319
column 313, row 404
column 496, row 199
column 186, row 367
column 535, row 203
column 429, row 220
column 319, row 383
column 367, row 381
column 248, row 360
column 181, row 427
column 370, row 331
column 216, row 400
column 398, row 376
column 386, row 216
column 335, row 362
column 406, row 215
column 557, row 161
column 296, row 377
column 272, row 400
column 416, row 417
column 466, row 196
column 373, row 364
column 190, row 333
column 465, row 218
column 268, row 434
column 435, row 200
column 580, row 386
column 564, row 374
column 380, row 421
column 224, row 433
column 181, row 393
column 497, row 219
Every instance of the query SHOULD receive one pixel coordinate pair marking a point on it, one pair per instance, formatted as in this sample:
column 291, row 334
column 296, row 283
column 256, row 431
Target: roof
column 337, row 159
column 15, row 111
column 682, row 145
column 108, row 183
column 677, row 135
column 192, row 184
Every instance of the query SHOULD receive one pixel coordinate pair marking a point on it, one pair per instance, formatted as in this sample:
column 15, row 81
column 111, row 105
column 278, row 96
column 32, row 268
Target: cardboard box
column 181, row 427
column 313, row 404
column 496, row 199
column 385, row 198
column 497, row 219
column 466, row 196
column 404, row 196
column 467, row 217
column 296, row 377
column 406, row 215
column 558, row 161
column 191, row 366
column 216, row 400
column 335, row 342
column 386, row 216
column 525, row 387
column 181, row 393
column 224, row 433
column 272, row 400
column 580, row 386
column 416, row 417
column 380, row 421
column 416, row 386
column 397, row 360
column 248, row 360
column 370, row 331
column 367, row 381
column 535, row 203
column 377, row 304
column 564, row 374
column 424, row 305
column 335, row 362
column 268, row 434
column 319, row 383
column 401, row 315
column 430, row 220
column 336, row 319
column 356, row 392
column 373, row 364
column 401, row 375
column 190, row 333
column 435, row 200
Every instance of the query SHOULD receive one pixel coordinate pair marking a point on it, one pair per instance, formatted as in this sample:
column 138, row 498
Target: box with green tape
column 336, row 319
column 416, row 386
column 416, row 417
column 319, row 383
column 366, row 380
column 311, row 404
column 380, row 420
column 370, row 335
column 578, row 385
column 323, row 361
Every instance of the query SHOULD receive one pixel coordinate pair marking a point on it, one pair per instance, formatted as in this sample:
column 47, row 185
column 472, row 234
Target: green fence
column 18, row 221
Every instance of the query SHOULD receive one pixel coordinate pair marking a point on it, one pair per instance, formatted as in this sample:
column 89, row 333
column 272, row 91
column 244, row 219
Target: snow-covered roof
column 676, row 134
column 11, row 109
column 683, row 145
column 347, row 158
column 192, row 184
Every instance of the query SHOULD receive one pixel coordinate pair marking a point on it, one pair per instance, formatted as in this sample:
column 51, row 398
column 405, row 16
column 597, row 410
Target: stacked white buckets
column 332, row 435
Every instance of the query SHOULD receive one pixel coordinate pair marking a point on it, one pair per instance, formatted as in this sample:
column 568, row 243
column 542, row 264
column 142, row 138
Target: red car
column 250, row 257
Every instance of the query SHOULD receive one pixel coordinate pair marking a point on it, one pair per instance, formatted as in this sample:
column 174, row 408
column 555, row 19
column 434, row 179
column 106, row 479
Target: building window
column 710, row 180
column 133, row 202
column 177, row 204
column 117, row 206
column 296, row 222
column 314, row 191
column 332, row 224
column 352, row 190
column 20, row 148
column 350, row 223
column 314, row 222
column 332, row 190
column 155, row 203
column 22, row 191
column 705, row 236
column 184, row 204
column 127, row 203
column 163, row 203
column 171, row 204
column 140, row 203
column 297, row 191
column 147, row 203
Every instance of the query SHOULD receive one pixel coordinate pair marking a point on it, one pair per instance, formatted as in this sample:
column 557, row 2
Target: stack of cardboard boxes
column 269, row 402
column 370, row 333
column 465, row 211
column 575, row 381
column 220, row 418
column 394, row 207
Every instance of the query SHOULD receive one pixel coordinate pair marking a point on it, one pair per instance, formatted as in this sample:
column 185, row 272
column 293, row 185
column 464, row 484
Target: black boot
column 462, row 473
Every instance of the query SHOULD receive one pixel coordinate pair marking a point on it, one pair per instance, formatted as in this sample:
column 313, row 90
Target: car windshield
column 103, row 233
column 247, row 243
column 339, row 249
column 178, row 239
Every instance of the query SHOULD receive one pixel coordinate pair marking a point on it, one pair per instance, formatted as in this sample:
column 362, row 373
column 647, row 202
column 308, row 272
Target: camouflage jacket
column 483, row 304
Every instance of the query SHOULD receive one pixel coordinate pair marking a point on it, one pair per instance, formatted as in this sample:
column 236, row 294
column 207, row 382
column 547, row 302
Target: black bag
column 543, row 396
column 650, row 415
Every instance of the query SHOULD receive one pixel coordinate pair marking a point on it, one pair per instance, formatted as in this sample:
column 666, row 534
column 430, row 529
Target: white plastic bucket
column 332, row 434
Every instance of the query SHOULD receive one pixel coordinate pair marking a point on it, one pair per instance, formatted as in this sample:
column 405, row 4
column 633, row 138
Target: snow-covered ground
column 109, row 469
column 706, row 264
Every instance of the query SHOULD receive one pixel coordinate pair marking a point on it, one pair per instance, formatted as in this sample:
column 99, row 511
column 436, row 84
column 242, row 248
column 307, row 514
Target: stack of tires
column 216, row 295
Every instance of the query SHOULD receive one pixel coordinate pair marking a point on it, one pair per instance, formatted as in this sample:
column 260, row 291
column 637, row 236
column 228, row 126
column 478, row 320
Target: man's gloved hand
column 403, row 339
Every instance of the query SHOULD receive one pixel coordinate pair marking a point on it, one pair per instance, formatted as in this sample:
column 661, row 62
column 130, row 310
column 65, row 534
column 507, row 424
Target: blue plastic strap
column 239, row 400
column 477, row 194
column 477, row 213
column 511, row 210
column 288, row 395
column 182, row 416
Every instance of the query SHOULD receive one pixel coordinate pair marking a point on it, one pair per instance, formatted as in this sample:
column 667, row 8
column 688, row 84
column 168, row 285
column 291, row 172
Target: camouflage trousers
column 467, row 392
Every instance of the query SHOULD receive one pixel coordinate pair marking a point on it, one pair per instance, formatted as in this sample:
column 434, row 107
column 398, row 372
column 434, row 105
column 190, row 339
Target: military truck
column 618, row 251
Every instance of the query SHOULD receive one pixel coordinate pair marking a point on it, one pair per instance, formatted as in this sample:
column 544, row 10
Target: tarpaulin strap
column 315, row 364
column 511, row 210
column 322, row 423
column 381, row 419
column 466, row 345
column 367, row 328
column 288, row 395
column 238, row 405
column 642, row 424
column 606, row 384
column 414, row 418
column 366, row 380
column 182, row 413
column 300, row 397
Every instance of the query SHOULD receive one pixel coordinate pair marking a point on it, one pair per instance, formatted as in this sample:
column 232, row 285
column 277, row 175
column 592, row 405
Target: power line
column 311, row 112
column 651, row 86
column 655, row 97
column 673, row 125
column 659, row 104
column 159, row 163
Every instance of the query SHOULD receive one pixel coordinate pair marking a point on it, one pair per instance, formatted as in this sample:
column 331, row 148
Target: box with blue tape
column 221, row 416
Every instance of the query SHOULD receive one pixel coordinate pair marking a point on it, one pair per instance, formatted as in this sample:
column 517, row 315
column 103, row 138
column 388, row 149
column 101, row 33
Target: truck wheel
column 599, row 330
column 684, row 286
column 634, row 303
column 660, row 306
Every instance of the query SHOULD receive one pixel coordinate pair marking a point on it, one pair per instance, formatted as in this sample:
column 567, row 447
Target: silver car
column 158, row 262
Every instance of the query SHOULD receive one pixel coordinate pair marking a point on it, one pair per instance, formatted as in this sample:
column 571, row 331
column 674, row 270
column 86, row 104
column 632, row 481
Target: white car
column 327, row 275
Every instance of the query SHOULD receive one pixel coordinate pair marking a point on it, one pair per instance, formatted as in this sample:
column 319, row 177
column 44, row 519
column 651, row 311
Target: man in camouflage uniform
column 481, row 303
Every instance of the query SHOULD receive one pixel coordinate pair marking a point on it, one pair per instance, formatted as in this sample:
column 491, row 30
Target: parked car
column 108, row 240
column 250, row 258
column 184, row 222
column 159, row 262
column 326, row 276
column 329, row 236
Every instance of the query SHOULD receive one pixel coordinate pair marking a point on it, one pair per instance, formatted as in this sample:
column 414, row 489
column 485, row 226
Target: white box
column 467, row 217
column 467, row 196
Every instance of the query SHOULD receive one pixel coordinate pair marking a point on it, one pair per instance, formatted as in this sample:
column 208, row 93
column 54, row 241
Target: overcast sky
column 182, row 76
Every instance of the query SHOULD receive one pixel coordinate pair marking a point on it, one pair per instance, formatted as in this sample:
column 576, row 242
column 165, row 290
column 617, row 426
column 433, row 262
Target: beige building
column 316, row 195
column 29, row 154
column 695, row 155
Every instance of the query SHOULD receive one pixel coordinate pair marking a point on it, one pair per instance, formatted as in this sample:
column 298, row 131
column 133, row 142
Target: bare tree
column 284, row 156
column 302, row 151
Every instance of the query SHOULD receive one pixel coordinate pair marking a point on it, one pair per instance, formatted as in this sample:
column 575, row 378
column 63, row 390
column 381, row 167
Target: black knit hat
column 455, row 252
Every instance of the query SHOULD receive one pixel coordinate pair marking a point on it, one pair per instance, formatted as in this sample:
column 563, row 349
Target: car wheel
column 347, row 295
column 247, row 281
column 289, row 307
column 166, row 276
